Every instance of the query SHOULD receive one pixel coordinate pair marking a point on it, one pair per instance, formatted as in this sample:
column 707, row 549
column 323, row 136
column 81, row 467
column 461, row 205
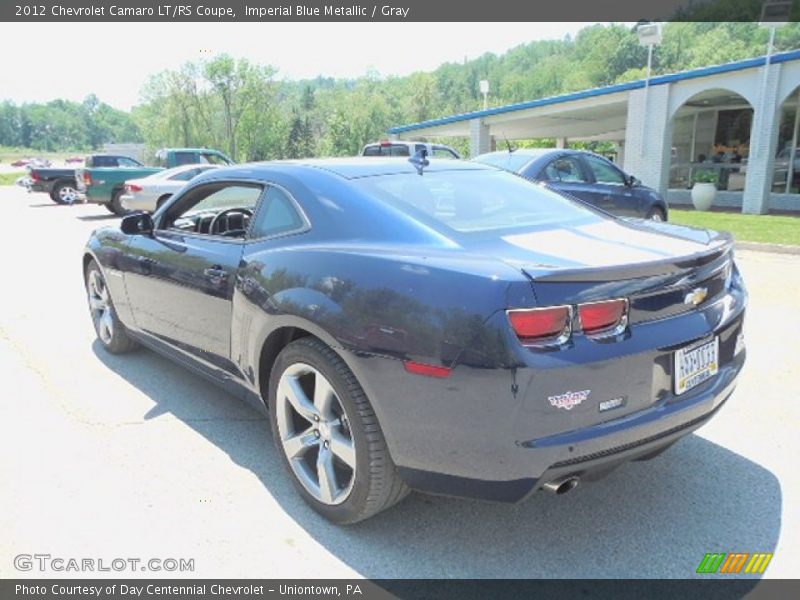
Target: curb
column 773, row 248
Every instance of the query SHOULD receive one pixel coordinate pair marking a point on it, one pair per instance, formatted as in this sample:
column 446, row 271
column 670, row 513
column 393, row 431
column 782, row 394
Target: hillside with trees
column 247, row 110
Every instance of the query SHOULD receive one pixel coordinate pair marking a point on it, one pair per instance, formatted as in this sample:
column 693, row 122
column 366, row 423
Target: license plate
column 695, row 364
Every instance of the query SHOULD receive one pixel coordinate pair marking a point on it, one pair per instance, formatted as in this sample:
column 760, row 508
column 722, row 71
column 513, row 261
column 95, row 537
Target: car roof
column 348, row 168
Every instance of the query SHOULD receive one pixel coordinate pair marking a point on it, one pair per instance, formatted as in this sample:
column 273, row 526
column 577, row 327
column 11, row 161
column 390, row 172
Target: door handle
column 215, row 272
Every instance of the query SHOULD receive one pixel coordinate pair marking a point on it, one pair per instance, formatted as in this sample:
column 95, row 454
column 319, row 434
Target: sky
column 44, row 61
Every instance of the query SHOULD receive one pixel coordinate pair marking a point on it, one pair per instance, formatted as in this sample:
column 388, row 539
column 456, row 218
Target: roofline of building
column 748, row 63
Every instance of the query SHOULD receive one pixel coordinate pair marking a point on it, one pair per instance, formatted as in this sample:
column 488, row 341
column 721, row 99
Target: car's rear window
column 387, row 150
column 473, row 201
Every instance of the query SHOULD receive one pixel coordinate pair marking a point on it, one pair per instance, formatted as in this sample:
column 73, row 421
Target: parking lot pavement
column 106, row 457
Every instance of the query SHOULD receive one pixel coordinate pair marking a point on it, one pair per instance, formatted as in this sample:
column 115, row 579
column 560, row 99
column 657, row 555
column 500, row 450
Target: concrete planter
column 703, row 195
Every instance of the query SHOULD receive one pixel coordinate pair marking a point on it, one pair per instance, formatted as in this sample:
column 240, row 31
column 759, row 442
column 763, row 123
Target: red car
column 22, row 162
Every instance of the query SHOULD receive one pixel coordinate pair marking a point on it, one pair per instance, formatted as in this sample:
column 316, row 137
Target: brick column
column 648, row 136
column 763, row 144
column 479, row 138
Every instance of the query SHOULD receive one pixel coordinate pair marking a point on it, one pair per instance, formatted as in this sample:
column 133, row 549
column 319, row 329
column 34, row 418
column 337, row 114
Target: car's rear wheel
column 64, row 193
column 656, row 214
column 116, row 204
column 110, row 330
column 328, row 435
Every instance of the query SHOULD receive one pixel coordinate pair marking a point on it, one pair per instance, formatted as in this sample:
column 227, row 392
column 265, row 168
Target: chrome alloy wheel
column 657, row 216
column 100, row 306
column 315, row 434
column 67, row 194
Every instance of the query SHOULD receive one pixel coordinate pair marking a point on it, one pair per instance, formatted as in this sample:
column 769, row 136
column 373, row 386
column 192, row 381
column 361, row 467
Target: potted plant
column 704, row 189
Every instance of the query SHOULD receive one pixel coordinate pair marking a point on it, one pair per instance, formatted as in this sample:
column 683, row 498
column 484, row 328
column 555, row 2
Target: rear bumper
column 589, row 453
column 132, row 202
column 491, row 433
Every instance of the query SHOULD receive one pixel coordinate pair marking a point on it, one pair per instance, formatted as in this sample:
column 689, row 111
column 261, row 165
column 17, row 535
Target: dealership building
column 740, row 120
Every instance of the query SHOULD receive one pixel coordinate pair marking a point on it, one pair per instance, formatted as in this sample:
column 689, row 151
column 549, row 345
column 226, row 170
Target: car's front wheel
column 110, row 330
column 328, row 435
column 656, row 214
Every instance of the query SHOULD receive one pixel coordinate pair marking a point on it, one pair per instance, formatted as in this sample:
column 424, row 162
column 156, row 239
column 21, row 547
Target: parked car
column 61, row 184
column 106, row 184
column 585, row 176
column 397, row 148
column 22, row 162
column 149, row 193
column 442, row 326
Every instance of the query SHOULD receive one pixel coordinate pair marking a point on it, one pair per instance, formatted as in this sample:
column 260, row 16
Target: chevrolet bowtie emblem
column 696, row 296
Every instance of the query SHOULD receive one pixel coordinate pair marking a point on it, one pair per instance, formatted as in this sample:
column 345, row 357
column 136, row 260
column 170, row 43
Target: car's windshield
column 510, row 161
column 473, row 201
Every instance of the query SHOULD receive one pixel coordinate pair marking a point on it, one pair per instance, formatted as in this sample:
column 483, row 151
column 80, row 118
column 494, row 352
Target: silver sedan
column 149, row 193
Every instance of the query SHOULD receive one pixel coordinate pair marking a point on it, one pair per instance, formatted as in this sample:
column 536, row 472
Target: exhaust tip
column 561, row 486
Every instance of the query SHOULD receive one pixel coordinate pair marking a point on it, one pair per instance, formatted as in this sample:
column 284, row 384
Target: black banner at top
column 397, row 10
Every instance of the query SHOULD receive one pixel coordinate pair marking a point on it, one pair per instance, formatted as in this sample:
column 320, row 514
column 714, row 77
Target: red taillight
column 87, row 178
column 540, row 324
column 424, row 369
column 132, row 187
column 597, row 317
column 34, row 176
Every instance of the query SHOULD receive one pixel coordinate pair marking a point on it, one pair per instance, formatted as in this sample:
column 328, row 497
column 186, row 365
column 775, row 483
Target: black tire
column 656, row 214
column 61, row 190
column 376, row 484
column 117, row 340
column 116, row 204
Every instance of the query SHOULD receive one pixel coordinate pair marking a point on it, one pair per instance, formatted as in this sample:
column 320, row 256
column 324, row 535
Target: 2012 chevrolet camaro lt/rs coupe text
column 441, row 326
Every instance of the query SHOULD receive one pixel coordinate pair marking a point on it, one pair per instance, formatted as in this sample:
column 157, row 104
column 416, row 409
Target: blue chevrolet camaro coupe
column 414, row 324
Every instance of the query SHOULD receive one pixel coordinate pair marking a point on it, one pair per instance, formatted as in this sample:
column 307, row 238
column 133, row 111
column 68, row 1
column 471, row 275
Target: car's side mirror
column 137, row 224
column 633, row 181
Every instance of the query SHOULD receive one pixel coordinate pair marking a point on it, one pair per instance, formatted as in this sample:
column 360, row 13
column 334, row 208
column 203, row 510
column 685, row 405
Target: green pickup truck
column 105, row 185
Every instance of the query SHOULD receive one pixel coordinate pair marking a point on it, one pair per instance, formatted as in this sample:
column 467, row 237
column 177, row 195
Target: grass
column 9, row 178
column 768, row 229
column 9, row 154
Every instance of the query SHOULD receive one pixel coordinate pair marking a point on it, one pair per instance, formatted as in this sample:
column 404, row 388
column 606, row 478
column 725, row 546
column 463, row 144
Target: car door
column 566, row 174
column 180, row 279
column 610, row 189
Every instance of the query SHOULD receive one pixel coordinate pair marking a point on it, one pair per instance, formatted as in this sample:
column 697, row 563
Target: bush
column 705, row 176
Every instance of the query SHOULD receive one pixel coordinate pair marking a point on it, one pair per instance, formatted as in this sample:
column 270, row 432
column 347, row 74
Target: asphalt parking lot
column 105, row 457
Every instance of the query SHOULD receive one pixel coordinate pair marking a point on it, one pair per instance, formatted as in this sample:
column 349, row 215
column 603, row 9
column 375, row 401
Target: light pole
column 649, row 35
column 483, row 85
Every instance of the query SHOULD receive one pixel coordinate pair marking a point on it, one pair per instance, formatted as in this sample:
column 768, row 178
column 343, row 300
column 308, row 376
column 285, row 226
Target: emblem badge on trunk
column 569, row 400
column 696, row 296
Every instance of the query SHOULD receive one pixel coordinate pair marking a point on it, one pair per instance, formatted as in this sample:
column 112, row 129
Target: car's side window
column 565, row 169
column 277, row 214
column 372, row 151
column 604, row 172
column 126, row 162
column 185, row 175
column 219, row 209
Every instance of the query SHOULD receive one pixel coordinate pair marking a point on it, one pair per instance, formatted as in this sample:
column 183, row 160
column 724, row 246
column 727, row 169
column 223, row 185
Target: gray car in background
column 149, row 193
